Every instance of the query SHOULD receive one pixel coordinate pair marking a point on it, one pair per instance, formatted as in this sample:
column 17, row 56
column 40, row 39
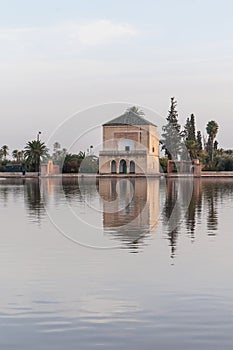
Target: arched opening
column 113, row 167
column 132, row 167
column 123, row 167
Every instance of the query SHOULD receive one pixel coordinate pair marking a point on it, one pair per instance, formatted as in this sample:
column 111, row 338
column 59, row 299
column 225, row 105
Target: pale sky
column 59, row 57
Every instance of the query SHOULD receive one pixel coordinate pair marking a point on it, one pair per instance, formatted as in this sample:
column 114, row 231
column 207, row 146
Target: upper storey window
column 126, row 145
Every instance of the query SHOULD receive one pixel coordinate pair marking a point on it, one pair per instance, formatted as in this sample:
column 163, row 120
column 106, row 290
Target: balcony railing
column 113, row 153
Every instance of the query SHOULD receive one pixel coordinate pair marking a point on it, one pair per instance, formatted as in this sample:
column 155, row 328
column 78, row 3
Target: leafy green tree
column 163, row 164
column 59, row 154
column 72, row 162
column 224, row 162
column 171, row 136
column 34, row 152
column 56, row 151
column 192, row 148
column 89, row 164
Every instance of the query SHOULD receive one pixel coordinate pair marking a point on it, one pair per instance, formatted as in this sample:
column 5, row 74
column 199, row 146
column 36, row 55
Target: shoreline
column 204, row 174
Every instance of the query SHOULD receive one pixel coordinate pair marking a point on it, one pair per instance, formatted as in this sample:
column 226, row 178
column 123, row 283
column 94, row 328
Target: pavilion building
column 130, row 146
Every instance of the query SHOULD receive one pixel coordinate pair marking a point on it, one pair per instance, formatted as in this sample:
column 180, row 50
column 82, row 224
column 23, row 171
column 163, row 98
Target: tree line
column 36, row 152
column 177, row 143
column 187, row 143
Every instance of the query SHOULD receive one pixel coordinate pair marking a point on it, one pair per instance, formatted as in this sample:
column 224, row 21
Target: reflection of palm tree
column 34, row 152
column 212, row 192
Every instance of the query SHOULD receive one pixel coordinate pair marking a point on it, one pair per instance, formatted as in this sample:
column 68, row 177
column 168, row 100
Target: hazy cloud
column 103, row 31
column 67, row 38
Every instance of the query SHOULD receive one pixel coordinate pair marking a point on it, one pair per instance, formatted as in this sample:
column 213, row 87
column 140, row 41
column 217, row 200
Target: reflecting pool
column 116, row 263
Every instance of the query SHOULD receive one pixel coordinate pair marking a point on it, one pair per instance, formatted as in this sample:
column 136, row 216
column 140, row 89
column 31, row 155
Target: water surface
column 110, row 264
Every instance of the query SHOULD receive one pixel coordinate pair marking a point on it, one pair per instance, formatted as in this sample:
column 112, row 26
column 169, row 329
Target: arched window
column 113, row 167
column 123, row 167
column 132, row 167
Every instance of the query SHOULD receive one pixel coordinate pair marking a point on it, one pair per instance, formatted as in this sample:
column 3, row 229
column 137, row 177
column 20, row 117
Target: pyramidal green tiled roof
column 128, row 118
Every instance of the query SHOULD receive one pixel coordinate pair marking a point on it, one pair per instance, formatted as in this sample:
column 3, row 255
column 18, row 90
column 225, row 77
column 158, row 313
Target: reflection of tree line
column 204, row 203
column 33, row 200
column 6, row 188
column 32, row 197
column 130, row 223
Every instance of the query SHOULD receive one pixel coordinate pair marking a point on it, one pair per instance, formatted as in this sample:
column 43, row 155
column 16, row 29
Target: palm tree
column 1, row 154
column 212, row 130
column 15, row 154
column 5, row 150
column 81, row 155
column 136, row 110
column 34, row 152
column 20, row 156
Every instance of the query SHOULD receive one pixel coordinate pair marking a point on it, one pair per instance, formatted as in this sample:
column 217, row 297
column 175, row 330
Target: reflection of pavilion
column 130, row 206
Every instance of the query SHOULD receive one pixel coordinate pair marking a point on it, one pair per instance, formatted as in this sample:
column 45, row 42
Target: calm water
column 116, row 264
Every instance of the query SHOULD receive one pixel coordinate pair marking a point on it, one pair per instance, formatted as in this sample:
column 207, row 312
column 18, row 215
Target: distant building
column 49, row 168
column 130, row 146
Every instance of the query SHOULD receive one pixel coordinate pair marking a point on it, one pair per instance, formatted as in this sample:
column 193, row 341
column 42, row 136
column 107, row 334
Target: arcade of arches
column 123, row 166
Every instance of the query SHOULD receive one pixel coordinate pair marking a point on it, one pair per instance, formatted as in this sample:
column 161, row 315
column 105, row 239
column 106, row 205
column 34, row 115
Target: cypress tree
column 190, row 129
column 171, row 137
column 199, row 142
column 190, row 139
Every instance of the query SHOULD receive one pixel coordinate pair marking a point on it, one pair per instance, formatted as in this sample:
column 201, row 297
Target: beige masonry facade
column 130, row 146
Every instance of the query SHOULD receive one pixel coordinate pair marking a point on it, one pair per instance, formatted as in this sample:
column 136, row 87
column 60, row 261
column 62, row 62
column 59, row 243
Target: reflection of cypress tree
column 33, row 200
column 171, row 217
column 191, row 218
column 199, row 200
column 194, row 207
